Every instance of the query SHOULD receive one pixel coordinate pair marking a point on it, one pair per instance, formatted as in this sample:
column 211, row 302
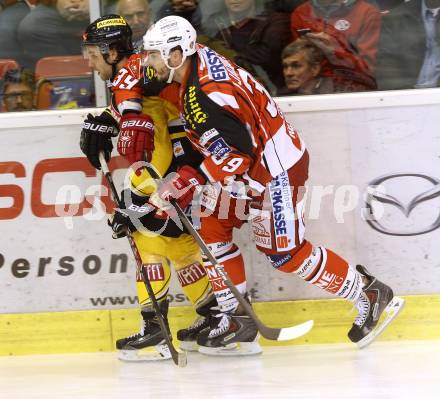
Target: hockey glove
column 120, row 222
column 180, row 186
column 136, row 138
column 96, row 135
column 128, row 216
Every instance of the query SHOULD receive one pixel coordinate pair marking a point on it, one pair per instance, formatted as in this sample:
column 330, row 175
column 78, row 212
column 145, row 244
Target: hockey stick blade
column 274, row 334
column 287, row 333
column 179, row 358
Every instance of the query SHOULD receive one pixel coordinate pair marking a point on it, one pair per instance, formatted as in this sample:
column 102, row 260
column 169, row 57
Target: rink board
column 69, row 262
column 94, row 331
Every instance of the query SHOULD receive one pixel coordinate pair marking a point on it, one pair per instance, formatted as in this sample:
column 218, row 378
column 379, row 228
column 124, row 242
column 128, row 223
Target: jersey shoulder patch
column 134, row 66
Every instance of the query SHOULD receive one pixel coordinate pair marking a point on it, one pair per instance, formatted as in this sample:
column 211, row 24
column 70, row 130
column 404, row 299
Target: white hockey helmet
column 168, row 33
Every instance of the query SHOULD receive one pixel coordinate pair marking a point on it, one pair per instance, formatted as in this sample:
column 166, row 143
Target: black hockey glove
column 128, row 216
column 96, row 136
column 120, row 222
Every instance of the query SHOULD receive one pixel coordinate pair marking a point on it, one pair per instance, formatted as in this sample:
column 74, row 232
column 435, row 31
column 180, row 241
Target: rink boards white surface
column 388, row 370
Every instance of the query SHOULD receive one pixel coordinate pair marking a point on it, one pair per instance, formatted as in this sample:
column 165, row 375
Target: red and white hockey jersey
column 235, row 123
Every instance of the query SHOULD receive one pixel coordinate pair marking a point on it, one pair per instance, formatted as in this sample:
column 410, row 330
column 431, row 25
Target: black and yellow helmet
column 109, row 31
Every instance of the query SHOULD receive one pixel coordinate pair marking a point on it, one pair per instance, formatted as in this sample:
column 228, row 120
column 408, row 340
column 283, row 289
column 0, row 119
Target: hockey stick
column 274, row 334
column 179, row 358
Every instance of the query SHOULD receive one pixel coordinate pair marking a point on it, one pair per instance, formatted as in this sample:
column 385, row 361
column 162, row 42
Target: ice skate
column 149, row 343
column 229, row 335
column 188, row 336
column 376, row 298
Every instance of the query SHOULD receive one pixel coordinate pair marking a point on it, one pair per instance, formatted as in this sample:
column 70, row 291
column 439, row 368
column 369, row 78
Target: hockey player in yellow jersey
column 148, row 124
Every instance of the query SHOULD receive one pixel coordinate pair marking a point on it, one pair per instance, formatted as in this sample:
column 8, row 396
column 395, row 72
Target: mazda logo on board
column 376, row 195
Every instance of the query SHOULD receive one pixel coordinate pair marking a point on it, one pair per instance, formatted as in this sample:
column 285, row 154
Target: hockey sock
column 229, row 255
column 325, row 269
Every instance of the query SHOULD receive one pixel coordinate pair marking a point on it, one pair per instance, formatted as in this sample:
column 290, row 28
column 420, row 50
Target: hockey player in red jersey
column 244, row 138
column 146, row 123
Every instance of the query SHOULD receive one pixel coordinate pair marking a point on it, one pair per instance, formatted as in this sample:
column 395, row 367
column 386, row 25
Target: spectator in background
column 353, row 23
column 409, row 49
column 53, row 27
column 18, row 90
column 137, row 14
column 193, row 11
column 188, row 9
column 304, row 69
column 210, row 7
column 302, row 63
column 256, row 35
column 10, row 18
column 283, row 5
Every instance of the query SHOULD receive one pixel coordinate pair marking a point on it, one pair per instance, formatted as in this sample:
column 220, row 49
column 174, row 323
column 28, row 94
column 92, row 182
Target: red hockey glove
column 181, row 187
column 136, row 137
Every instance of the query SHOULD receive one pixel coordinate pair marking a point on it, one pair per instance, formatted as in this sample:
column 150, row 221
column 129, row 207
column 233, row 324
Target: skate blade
column 235, row 349
column 188, row 346
column 158, row 352
column 391, row 312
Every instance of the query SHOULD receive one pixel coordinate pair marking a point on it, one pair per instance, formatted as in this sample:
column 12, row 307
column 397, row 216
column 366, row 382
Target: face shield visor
column 93, row 51
column 150, row 57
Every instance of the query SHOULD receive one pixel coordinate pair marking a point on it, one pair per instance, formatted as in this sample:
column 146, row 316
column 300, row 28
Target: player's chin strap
column 171, row 75
column 173, row 69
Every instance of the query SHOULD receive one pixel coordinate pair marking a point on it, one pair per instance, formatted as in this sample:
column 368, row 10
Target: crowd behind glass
column 294, row 47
